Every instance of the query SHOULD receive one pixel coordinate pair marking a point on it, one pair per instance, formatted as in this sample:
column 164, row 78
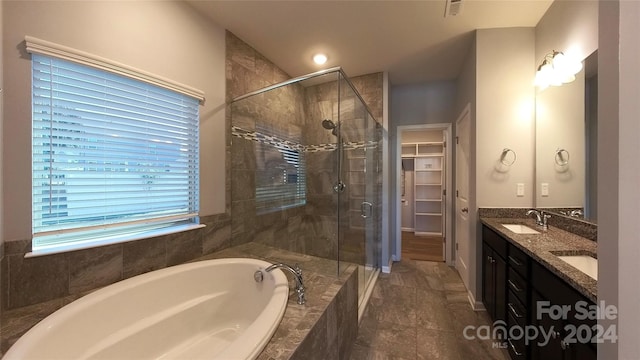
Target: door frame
column 448, row 154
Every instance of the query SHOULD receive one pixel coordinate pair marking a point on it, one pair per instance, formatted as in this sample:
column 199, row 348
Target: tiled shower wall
column 297, row 112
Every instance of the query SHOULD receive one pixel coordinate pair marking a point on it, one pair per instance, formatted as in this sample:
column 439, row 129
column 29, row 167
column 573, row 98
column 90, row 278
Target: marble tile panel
column 4, row 283
column 144, row 255
column 243, row 155
column 244, row 184
column 347, row 316
column 17, row 247
column 321, row 205
column 240, row 53
column 96, row 267
column 37, row 279
column 315, row 345
column 184, row 246
column 243, row 219
column 216, row 236
column 320, row 182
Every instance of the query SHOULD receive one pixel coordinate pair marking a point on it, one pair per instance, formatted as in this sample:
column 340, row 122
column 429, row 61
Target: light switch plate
column 520, row 189
column 544, row 189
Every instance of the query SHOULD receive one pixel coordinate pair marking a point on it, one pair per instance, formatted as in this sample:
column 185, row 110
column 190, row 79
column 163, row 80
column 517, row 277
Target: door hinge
column 444, row 145
column 456, row 246
column 456, row 193
column 444, row 192
column 457, row 140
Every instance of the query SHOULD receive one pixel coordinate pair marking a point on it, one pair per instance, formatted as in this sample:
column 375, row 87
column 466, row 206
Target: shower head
column 328, row 124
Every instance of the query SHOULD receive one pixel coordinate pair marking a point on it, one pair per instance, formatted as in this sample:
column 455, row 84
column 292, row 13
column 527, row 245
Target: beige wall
column 416, row 104
column 629, row 173
column 1, row 132
column 560, row 124
column 497, row 83
column 165, row 38
column 618, row 172
column 505, row 115
column 1, row 124
column 570, row 27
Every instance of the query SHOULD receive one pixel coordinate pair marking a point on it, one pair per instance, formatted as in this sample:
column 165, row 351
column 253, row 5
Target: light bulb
column 320, row 59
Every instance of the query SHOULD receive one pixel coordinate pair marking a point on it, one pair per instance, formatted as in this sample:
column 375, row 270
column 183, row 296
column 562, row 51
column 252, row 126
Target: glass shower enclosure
column 306, row 171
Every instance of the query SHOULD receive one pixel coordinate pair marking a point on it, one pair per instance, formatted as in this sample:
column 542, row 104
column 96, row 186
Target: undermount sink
column 584, row 263
column 520, row 229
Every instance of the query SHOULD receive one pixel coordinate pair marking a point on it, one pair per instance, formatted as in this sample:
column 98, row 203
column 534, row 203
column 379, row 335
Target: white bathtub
column 204, row 310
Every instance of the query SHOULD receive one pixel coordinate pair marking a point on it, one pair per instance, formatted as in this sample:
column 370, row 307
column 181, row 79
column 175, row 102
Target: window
column 112, row 155
column 280, row 172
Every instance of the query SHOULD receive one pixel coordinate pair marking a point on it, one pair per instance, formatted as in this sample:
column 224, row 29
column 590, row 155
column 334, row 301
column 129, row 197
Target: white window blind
column 280, row 173
column 111, row 154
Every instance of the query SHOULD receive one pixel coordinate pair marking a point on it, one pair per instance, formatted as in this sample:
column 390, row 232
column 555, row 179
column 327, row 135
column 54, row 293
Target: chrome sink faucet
column 297, row 273
column 541, row 218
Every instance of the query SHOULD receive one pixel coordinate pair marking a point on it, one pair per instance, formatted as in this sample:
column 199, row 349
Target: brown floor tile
column 419, row 311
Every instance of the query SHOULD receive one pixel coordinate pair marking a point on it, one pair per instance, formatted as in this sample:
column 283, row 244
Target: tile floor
column 419, row 311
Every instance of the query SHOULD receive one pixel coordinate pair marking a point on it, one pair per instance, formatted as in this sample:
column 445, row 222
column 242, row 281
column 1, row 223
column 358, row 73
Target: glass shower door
column 371, row 208
column 359, row 226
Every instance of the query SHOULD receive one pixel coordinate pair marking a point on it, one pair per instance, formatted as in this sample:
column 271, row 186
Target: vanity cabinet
column 513, row 286
column 494, row 274
column 557, row 302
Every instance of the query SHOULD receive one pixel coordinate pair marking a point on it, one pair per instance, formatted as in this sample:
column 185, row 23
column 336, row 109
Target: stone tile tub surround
column 28, row 281
column 324, row 328
column 541, row 247
column 573, row 225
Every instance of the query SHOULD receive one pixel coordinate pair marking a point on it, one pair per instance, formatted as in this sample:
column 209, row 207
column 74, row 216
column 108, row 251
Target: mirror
column 566, row 145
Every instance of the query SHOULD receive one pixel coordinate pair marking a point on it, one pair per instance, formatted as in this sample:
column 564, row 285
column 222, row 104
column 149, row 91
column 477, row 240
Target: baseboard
column 387, row 269
column 407, row 229
column 475, row 305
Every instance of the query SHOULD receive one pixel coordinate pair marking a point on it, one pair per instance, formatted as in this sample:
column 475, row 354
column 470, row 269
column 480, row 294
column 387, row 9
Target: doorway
column 423, row 175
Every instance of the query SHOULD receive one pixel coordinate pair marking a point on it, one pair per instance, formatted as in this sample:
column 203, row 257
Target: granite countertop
column 541, row 247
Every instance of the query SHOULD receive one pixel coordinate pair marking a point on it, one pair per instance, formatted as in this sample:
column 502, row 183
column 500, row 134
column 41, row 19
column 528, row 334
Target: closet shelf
column 428, row 170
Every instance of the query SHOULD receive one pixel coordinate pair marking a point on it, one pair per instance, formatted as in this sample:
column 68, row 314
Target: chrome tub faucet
column 297, row 273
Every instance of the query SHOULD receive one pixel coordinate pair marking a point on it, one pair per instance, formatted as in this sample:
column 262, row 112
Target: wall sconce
column 557, row 69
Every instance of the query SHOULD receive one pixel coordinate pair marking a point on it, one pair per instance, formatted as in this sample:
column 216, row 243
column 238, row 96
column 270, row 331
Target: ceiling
column 412, row 40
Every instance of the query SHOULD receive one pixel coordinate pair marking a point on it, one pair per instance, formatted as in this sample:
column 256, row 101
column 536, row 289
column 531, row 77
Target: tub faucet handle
column 297, row 273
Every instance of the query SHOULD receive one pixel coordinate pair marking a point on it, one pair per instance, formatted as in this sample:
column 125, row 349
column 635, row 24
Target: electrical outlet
column 520, row 189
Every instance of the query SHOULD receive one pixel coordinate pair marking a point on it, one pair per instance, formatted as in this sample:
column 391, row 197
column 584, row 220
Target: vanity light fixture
column 320, row 59
column 557, row 69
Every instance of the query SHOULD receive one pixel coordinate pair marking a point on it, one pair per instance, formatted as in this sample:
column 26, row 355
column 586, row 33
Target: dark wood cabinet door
column 488, row 280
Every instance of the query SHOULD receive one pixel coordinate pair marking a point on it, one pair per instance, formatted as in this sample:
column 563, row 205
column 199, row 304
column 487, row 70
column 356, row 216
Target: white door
column 463, row 145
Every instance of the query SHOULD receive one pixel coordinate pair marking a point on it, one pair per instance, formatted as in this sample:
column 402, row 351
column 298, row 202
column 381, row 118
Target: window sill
column 110, row 240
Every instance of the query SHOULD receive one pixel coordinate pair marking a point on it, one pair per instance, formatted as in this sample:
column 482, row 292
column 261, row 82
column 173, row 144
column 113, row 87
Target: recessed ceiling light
column 320, row 59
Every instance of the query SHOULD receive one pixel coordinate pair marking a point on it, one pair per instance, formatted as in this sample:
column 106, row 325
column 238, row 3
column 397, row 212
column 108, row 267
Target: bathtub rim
column 20, row 349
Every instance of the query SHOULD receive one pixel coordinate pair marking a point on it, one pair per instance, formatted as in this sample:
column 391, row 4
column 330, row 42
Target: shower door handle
column 363, row 209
